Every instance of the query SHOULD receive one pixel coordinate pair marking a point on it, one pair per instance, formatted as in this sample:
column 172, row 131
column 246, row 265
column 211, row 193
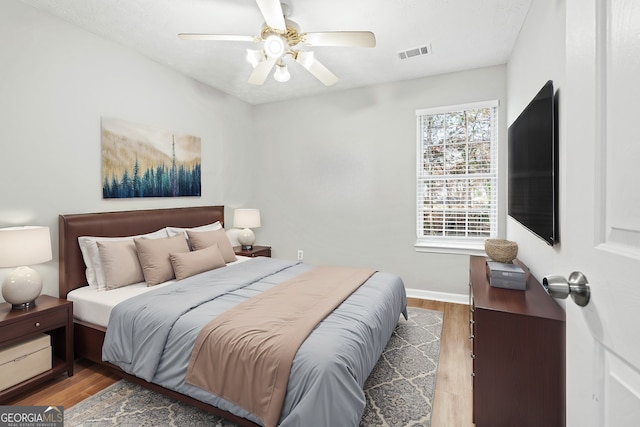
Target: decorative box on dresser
column 518, row 352
column 52, row 316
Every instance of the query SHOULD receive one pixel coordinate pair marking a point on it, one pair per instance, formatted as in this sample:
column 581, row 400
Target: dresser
column 518, row 352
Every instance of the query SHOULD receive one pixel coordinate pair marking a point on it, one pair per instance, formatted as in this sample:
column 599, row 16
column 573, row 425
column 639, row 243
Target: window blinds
column 457, row 172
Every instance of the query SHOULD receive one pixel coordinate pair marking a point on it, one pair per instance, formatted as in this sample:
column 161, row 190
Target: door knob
column 577, row 286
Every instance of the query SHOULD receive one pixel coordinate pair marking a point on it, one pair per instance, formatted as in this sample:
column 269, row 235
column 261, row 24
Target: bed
column 364, row 322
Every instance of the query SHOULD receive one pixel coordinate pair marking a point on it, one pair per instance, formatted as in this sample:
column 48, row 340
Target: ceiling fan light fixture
column 274, row 46
column 281, row 37
column 282, row 73
column 255, row 57
column 305, row 58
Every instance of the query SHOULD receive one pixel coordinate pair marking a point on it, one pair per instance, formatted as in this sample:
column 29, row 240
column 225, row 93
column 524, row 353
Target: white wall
column 335, row 175
column 56, row 83
column 538, row 56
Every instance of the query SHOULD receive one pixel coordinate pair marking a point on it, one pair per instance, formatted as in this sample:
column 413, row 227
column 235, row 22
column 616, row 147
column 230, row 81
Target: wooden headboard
column 118, row 224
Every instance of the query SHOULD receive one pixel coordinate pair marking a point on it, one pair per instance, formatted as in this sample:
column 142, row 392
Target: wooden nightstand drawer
column 50, row 315
column 24, row 360
column 39, row 323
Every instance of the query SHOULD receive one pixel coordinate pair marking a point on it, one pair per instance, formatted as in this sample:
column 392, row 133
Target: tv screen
column 533, row 166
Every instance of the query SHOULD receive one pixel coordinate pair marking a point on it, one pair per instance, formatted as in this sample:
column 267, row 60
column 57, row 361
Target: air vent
column 416, row 51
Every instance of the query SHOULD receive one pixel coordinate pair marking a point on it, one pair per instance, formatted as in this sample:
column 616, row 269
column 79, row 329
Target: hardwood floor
column 88, row 379
column 452, row 404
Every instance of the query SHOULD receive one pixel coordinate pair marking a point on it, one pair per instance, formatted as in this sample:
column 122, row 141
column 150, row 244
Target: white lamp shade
column 281, row 74
column 246, row 218
column 255, row 57
column 24, row 246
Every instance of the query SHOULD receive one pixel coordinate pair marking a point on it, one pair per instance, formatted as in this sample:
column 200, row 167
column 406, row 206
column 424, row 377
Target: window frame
column 457, row 244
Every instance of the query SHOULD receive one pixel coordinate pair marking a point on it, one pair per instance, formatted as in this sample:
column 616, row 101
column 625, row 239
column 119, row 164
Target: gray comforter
column 151, row 336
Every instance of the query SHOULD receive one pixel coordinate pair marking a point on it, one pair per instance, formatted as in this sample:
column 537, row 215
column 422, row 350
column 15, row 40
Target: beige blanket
column 245, row 354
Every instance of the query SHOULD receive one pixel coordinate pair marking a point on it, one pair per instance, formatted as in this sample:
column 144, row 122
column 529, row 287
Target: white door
column 600, row 136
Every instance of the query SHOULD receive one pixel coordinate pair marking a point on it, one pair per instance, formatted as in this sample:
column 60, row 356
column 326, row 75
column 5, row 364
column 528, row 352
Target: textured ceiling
column 463, row 34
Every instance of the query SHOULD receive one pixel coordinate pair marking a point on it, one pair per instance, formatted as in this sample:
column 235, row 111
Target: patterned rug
column 399, row 390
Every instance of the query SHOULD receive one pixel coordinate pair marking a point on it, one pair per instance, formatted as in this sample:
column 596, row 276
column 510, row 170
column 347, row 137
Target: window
column 457, row 176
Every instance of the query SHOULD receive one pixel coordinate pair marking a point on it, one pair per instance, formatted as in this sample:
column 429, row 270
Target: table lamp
column 246, row 219
column 20, row 247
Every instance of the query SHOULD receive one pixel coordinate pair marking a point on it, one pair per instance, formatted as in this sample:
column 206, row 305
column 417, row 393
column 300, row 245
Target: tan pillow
column 191, row 263
column 154, row 257
column 91, row 256
column 120, row 263
column 204, row 239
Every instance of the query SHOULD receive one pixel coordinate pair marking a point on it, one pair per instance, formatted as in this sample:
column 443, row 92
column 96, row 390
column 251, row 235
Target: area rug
column 399, row 390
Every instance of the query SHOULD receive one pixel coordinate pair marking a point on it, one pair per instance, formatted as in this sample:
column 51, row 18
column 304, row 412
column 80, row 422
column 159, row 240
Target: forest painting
column 141, row 161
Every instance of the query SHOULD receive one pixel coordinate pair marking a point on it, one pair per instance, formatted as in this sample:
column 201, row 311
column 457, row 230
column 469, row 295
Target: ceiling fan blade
column 319, row 71
column 272, row 12
column 217, row 37
column 261, row 72
column 341, row 38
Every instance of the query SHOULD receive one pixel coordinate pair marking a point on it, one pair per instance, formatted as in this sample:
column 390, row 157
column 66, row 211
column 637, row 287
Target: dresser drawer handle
column 37, row 324
column 473, row 356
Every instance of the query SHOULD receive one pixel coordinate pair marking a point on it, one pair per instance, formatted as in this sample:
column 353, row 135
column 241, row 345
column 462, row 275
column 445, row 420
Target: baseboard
column 438, row 296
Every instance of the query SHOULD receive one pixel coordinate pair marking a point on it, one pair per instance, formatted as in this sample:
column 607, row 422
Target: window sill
column 451, row 247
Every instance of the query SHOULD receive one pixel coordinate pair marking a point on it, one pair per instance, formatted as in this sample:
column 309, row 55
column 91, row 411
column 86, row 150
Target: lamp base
column 24, row 305
column 246, row 238
column 21, row 288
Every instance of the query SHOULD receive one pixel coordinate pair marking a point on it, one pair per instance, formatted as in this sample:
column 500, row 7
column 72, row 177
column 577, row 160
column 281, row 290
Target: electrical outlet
column 300, row 255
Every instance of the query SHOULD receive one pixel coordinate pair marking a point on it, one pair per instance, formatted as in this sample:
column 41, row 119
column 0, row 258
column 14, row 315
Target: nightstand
column 256, row 251
column 50, row 315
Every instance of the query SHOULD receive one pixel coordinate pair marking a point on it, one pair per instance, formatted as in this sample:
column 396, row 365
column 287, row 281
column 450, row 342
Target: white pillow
column 90, row 271
column 89, row 248
column 172, row 231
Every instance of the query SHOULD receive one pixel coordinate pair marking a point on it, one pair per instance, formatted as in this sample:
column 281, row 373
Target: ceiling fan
column 281, row 37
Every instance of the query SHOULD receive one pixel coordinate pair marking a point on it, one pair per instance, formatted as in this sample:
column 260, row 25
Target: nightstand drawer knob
column 37, row 325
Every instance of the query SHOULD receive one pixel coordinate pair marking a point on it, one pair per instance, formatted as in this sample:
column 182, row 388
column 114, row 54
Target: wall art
column 142, row 161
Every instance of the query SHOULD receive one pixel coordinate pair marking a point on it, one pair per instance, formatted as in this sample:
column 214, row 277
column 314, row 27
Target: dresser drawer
column 21, row 327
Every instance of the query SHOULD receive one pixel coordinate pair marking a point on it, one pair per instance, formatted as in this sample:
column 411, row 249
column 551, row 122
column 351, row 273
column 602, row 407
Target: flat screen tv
column 533, row 166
